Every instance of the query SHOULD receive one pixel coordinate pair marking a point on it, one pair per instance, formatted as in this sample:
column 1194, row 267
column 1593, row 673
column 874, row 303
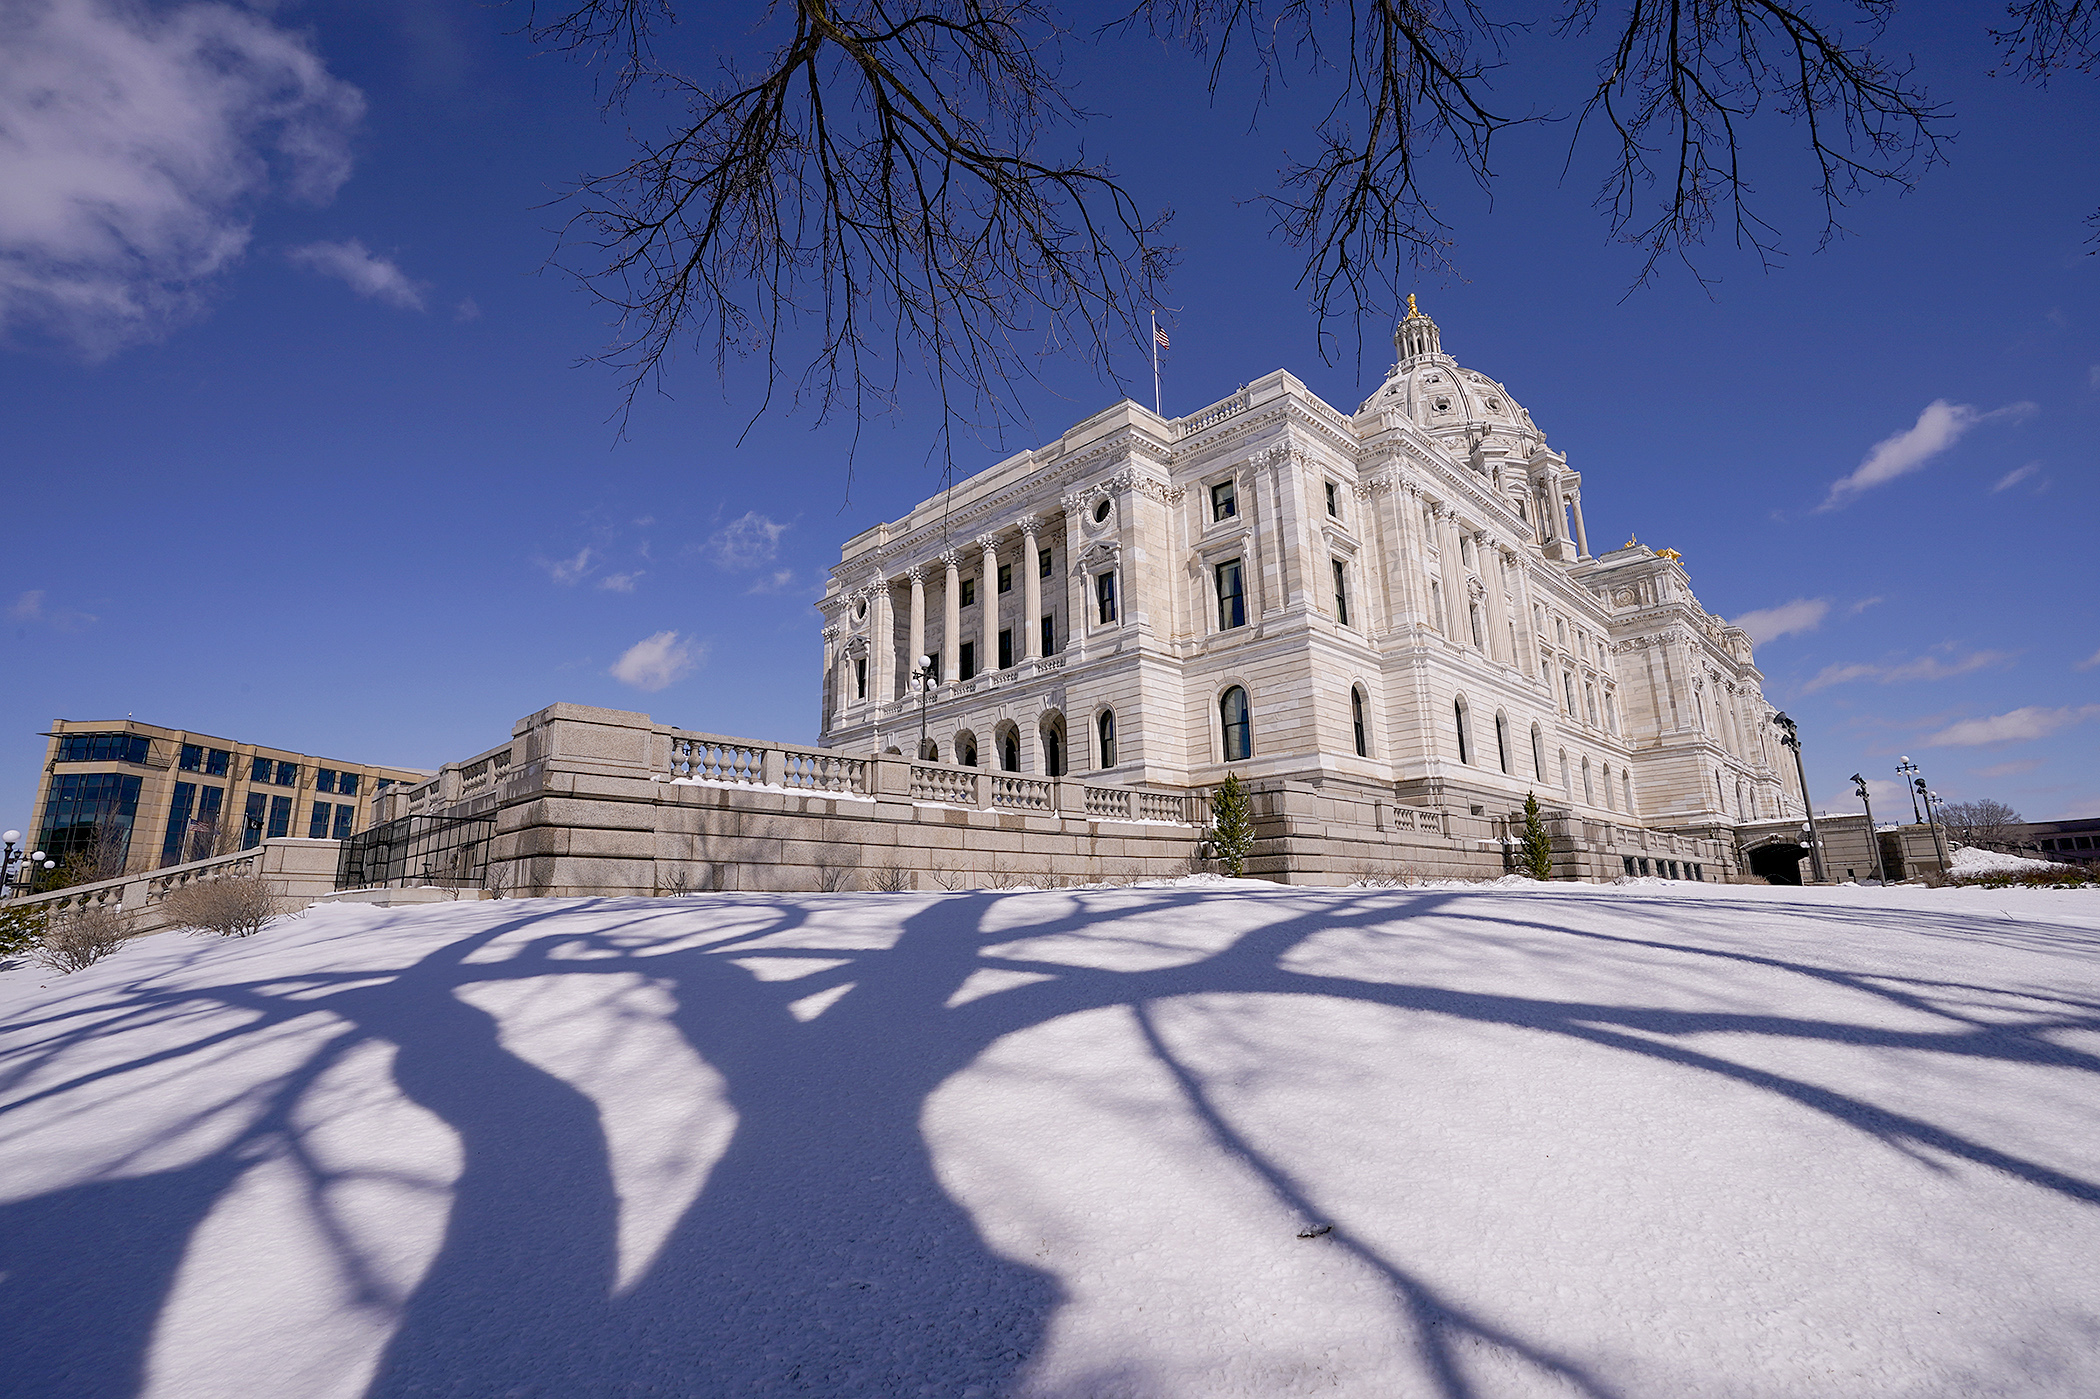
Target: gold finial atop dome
column 1416, row 333
column 1630, row 542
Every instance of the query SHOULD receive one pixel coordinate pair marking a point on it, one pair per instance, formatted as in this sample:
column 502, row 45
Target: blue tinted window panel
column 324, row 779
column 317, row 828
column 280, row 816
column 261, row 770
column 78, row 802
column 344, row 813
column 217, row 763
column 346, row 783
column 102, row 748
column 252, row 820
column 192, row 757
column 178, row 821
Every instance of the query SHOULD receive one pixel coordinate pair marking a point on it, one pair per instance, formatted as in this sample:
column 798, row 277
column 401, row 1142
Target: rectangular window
column 860, row 677
column 280, row 816
column 1042, row 563
column 317, row 828
column 1105, row 596
column 1341, row 591
column 1006, row 578
column 1224, row 501
column 102, row 748
column 178, row 821
column 204, row 830
column 252, row 820
column 1006, row 648
column 344, row 812
column 968, row 659
column 1232, row 597
column 346, row 784
column 1049, row 636
column 192, row 757
column 1334, row 500
column 217, row 763
column 81, row 806
column 261, row 770
column 324, row 779
column 969, row 591
column 287, row 774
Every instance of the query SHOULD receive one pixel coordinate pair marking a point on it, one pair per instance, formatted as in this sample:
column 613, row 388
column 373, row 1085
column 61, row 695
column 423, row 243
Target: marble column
column 882, row 642
column 917, row 644
column 988, row 606
column 1031, row 592
column 1454, row 619
column 1499, row 637
column 1582, row 538
column 951, row 614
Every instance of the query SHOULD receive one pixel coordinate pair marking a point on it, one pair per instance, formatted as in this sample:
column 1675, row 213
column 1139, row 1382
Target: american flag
column 1159, row 337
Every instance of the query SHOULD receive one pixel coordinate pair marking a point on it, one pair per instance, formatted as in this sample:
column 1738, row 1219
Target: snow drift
column 1646, row 1141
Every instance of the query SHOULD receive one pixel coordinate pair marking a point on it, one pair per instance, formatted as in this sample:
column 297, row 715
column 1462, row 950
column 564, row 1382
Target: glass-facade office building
column 132, row 796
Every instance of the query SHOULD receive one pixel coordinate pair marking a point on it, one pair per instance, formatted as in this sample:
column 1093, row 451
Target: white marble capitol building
column 1400, row 601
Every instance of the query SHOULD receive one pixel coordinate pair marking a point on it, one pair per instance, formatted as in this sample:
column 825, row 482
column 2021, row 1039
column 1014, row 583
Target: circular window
column 1100, row 512
column 1494, row 405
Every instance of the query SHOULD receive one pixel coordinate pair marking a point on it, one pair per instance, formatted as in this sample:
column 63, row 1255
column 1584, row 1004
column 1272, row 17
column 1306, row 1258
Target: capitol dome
column 1437, row 393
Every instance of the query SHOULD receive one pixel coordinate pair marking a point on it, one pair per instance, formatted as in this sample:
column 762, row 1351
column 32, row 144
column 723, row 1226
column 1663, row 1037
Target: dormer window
column 1443, row 405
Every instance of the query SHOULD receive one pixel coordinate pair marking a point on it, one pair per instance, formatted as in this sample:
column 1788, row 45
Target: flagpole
column 1155, row 364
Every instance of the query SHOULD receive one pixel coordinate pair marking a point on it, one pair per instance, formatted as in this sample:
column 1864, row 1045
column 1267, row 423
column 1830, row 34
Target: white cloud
column 571, row 571
column 369, row 275
column 1862, row 605
column 657, row 661
column 2020, row 724
column 2012, row 769
column 2089, row 662
column 1938, row 428
column 1771, row 623
column 467, row 309
column 136, row 145
column 2016, row 476
column 775, row 582
column 620, row 582
column 29, row 607
column 1923, row 668
column 1885, row 793
column 750, row 541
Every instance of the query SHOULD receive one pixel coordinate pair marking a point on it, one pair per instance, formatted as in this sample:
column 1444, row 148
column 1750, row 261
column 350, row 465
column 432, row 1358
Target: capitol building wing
column 1400, row 605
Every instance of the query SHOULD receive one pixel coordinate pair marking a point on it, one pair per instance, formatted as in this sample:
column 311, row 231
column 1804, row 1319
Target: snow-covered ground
column 1968, row 859
column 1661, row 1140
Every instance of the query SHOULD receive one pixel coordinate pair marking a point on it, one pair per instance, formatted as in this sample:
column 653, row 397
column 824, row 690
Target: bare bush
column 77, row 938
column 1000, row 874
column 947, row 878
column 892, row 878
column 499, row 879
column 674, row 881
column 233, row 906
column 834, row 869
column 1386, row 876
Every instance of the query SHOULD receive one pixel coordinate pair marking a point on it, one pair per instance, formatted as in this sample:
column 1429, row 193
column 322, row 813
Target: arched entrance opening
column 1779, row 862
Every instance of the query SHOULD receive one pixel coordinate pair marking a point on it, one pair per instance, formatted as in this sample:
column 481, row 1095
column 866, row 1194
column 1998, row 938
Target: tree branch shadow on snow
column 823, row 1254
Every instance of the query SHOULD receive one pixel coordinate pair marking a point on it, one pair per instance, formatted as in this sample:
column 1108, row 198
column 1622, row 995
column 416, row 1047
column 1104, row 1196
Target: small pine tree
column 1538, row 846
column 20, row 930
column 1231, row 824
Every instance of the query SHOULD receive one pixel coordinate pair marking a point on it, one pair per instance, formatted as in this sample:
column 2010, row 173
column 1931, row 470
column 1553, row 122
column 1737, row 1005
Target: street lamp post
column 1908, row 771
column 922, row 677
column 1873, row 837
column 9, row 857
column 1790, row 736
column 1939, row 819
column 18, row 870
column 1915, row 780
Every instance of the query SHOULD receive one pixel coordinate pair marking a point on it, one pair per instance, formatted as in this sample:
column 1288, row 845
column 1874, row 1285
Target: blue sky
column 300, row 448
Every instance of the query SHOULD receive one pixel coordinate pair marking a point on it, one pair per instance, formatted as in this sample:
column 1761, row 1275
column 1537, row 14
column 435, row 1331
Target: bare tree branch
column 2048, row 36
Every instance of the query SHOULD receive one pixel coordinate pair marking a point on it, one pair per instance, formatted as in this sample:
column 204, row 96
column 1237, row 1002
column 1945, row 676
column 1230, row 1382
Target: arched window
column 1502, row 741
column 1589, row 785
column 1605, row 782
column 929, row 751
column 1567, row 780
column 1538, row 753
column 1105, row 728
column 1235, row 725
column 1465, row 739
column 1356, row 717
column 966, row 749
column 1626, row 789
column 1053, row 735
column 1010, row 750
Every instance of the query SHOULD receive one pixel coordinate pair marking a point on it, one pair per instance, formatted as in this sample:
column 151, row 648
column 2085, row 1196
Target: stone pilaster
column 988, row 606
column 1031, row 590
column 951, row 615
